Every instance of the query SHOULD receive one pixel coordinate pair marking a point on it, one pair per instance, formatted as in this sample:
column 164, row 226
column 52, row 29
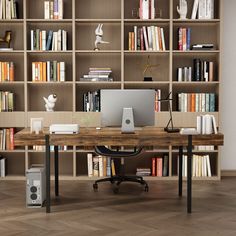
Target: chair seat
column 104, row 151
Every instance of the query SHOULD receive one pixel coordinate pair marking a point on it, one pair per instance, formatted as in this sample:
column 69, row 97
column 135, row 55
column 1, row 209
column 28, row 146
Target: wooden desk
column 148, row 136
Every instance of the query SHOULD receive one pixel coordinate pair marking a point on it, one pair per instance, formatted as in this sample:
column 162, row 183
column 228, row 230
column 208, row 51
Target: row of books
column 201, row 166
column 204, row 148
column 91, row 101
column 53, row 9
column 184, row 38
column 157, row 100
column 202, row 71
column 196, row 102
column 6, row 71
column 48, row 71
column 206, row 124
column 203, row 9
column 46, row 41
column 7, row 139
column 9, row 9
column 40, row 148
column 6, row 101
column 160, row 166
column 98, row 74
column 146, row 9
column 3, row 166
column 147, row 38
column 100, row 166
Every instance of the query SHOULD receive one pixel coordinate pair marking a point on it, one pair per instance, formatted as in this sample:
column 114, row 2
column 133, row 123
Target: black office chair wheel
column 146, row 188
column 95, row 187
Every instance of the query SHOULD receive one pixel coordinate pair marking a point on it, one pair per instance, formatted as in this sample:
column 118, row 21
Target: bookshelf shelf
column 81, row 18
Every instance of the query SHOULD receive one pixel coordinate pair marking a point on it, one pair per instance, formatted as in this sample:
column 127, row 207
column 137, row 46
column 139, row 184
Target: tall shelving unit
column 81, row 18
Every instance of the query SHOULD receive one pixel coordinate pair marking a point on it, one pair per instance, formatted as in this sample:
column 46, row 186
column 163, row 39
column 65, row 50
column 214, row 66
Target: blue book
column 212, row 103
column 49, row 40
column 188, row 38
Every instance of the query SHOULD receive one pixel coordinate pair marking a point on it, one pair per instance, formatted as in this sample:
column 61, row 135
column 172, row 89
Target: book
column 194, row 10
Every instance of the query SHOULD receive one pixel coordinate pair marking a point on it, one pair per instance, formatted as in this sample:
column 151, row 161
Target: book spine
column 153, row 166
column 11, row 139
column 62, row 71
column 46, row 10
column 159, row 167
column 100, row 161
column 60, row 9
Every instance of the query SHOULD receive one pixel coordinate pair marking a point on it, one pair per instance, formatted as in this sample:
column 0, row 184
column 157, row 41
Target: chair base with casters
column 116, row 180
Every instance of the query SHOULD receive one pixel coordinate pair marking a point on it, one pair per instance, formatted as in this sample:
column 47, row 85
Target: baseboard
column 228, row 172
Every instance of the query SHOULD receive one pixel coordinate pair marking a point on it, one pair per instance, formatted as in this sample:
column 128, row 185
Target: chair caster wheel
column 95, row 187
column 146, row 188
column 115, row 190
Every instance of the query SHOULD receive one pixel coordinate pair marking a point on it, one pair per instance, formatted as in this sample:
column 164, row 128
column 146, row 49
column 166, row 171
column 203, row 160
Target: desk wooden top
column 148, row 136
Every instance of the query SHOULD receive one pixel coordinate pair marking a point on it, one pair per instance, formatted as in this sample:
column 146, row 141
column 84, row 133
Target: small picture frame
column 36, row 125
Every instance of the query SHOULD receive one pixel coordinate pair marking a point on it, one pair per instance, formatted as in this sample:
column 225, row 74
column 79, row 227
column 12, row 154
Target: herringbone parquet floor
column 80, row 211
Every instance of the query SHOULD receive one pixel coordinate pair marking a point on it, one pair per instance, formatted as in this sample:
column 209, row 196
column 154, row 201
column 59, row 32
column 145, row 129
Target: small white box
column 64, row 129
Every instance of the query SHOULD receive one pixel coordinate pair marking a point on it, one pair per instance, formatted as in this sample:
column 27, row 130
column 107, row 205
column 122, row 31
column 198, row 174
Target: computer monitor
column 117, row 105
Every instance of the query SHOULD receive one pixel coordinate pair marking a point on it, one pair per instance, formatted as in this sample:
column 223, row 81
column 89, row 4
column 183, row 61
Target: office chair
column 104, row 151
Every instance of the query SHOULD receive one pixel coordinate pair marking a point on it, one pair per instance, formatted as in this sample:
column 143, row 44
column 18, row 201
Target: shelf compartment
column 51, row 117
column 36, row 92
column 84, row 88
column 18, row 90
column 87, row 119
column 190, row 7
column 65, row 162
column 12, row 119
column 18, row 60
column 85, row 36
column 135, row 65
column 85, row 61
column 17, row 37
column 92, row 9
column 200, row 33
column 186, row 60
column 97, row 20
column 129, row 27
column 15, row 163
column 189, row 119
column 67, row 26
column 35, row 9
column 64, row 57
column 160, row 4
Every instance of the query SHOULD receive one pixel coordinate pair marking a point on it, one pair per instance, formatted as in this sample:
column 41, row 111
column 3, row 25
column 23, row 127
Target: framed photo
column 36, row 125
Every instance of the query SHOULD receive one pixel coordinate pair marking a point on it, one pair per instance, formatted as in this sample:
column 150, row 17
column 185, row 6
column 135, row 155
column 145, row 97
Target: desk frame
column 180, row 179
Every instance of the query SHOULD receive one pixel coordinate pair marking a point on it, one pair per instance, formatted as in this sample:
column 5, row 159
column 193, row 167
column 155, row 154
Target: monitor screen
column 142, row 102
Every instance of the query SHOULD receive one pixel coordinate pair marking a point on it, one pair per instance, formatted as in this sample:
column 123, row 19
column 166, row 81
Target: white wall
column 228, row 92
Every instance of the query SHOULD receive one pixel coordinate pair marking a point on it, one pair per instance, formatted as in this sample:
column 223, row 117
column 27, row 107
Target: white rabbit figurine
column 50, row 102
column 99, row 34
column 182, row 9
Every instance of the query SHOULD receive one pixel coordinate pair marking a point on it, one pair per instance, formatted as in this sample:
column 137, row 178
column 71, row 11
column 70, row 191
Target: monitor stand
column 127, row 121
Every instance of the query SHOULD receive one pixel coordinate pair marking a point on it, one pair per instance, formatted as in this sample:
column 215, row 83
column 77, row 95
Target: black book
column 197, row 70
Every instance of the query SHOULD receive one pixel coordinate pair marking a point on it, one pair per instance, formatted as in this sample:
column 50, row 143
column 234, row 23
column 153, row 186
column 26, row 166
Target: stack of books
column 184, row 39
column 91, row 101
column 6, row 71
column 6, row 101
column 100, row 166
column 203, row 9
column 9, row 9
column 184, row 74
column 203, row 70
column 53, row 9
column 196, row 102
column 7, row 139
column 49, row 71
column 143, row 171
column 3, row 166
column 150, row 38
column 45, row 41
column 98, row 74
column 206, row 124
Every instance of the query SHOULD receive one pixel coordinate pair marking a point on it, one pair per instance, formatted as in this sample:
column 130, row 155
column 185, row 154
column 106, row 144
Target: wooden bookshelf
column 81, row 18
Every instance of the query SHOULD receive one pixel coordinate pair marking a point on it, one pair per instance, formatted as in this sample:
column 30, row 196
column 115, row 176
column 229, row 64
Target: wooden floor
column 80, row 211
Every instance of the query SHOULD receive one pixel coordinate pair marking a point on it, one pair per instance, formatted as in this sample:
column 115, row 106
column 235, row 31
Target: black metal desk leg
column 56, row 166
column 189, row 175
column 180, row 170
column 48, row 203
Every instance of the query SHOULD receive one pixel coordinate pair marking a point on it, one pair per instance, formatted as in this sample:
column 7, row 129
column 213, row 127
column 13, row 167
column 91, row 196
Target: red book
column 11, row 139
column 154, row 166
column 180, row 41
column 141, row 9
column 159, row 166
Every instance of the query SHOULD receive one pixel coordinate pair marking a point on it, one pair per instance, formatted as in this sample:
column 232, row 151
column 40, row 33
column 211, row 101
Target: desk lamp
column 170, row 129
